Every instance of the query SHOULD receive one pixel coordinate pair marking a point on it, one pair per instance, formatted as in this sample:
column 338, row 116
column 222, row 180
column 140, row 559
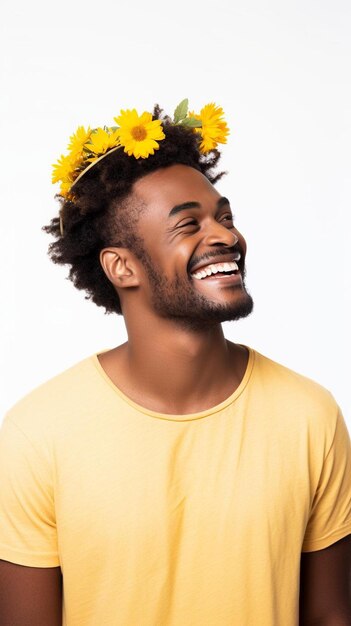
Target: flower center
column 138, row 133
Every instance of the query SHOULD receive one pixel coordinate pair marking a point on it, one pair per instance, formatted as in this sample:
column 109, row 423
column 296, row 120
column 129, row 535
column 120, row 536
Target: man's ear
column 120, row 267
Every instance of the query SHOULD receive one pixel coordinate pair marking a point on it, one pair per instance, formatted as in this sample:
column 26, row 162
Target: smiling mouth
column 230, row 270
column 217, row 270
column 233, row 278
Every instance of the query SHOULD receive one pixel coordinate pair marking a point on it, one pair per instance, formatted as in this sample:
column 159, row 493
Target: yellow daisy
column 78, row 139
column 64, row 168
column 214, row 129
column 100, row 141
column 139, row 134
column 64, row 189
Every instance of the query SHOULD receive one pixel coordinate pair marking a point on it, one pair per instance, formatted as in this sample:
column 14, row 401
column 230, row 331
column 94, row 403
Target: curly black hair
column 100, row 214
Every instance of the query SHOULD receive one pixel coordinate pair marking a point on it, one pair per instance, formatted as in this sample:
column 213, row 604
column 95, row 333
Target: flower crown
column 138, row 135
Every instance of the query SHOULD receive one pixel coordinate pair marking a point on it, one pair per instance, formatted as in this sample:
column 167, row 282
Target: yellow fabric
column 174, row 520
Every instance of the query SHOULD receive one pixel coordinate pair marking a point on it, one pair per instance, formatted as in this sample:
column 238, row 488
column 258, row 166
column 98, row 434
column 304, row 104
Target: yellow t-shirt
column 174, row 520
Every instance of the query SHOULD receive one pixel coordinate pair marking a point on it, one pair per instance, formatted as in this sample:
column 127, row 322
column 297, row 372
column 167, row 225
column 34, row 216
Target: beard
column 180, row 301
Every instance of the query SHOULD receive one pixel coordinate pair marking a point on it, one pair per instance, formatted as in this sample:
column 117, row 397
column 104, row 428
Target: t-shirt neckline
column 176, row 417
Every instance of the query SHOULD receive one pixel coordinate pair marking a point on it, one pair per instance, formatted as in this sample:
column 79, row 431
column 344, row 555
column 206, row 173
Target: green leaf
column 191, row 122
column 181, row 110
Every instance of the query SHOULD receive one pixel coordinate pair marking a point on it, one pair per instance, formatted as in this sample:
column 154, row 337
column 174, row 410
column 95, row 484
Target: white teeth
column 216, row 267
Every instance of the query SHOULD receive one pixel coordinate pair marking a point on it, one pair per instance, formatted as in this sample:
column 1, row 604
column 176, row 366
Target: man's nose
column 217, row 233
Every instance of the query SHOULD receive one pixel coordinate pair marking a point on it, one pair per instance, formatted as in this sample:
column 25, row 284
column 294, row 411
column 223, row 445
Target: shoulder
column 49, row 403
column 297, row 394
column 288, row 381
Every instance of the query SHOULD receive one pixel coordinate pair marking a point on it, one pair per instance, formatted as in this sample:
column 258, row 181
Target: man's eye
column 193, row 222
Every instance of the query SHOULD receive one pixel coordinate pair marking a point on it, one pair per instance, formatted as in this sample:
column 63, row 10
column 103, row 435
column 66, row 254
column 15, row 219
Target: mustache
column 221, row 252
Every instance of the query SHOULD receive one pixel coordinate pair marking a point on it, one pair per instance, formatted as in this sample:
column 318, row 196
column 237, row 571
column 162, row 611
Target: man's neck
column 175, row 370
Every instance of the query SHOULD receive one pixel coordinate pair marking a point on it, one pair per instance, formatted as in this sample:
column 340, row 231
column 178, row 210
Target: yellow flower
column 139, row 134
column 64, row 168
column 77, row 140
column 64, row 189
column 100, row 141
column 214, row 129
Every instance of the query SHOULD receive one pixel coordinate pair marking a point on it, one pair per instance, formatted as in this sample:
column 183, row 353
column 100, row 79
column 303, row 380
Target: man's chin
column 205, row 318
column 218, row 311
column 231, row 313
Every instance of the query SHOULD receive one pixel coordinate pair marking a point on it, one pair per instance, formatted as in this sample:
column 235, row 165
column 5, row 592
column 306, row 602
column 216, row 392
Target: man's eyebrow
column 195, row 205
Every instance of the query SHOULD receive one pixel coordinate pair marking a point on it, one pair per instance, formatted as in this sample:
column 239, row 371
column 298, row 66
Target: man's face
column 176, row 246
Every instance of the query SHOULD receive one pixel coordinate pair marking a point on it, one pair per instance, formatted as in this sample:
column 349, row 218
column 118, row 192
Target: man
column 178, row 479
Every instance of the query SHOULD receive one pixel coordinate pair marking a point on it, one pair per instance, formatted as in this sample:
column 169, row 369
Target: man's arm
column 30, row 595
column 325, row 585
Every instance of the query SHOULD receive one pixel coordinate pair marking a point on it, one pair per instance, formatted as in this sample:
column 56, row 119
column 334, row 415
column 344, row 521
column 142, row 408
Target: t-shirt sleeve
column 330, row 515
column 27, row 514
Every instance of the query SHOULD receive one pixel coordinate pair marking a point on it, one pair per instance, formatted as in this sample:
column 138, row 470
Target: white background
column 280, row 70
